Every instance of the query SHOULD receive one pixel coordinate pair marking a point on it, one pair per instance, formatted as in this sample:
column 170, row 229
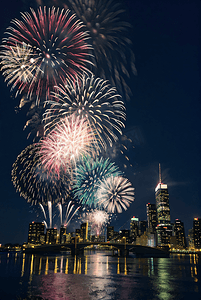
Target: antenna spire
column 160, row 173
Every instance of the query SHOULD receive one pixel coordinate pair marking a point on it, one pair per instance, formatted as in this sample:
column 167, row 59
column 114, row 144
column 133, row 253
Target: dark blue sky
column 164, row 115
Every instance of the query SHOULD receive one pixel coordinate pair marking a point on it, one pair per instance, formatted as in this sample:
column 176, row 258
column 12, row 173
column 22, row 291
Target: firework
column 43, row 48
column 66, row 212
column 97, row 219
column 105, row 20
column 93, row 99
column 115, row 193
column 67, row 143
column 70, row 213
column 120, row 151
column 43, row 210
column 88, row 175
column 17, row 64
column 50, row 212
column 34, row 126
column 34, row 183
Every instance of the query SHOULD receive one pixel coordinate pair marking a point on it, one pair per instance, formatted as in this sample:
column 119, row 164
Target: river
column 99, row 275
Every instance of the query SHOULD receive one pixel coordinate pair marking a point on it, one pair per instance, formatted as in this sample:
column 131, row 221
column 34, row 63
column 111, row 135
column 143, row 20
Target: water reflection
column 23, row 262
column 31, row 268
column 99, row 275
column 66, row 269
column 102, row 265
column 194, row 261
column 164, row 280
column 46, row 266
column 40, row 266
column 86, row 261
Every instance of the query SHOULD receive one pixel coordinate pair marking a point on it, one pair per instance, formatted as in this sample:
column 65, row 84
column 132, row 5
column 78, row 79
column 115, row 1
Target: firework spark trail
column 66, row 144
column 45, row 224
column 66, row 224
column 34, row 183
column 56, row 47
column 43, row 210
column 50, row 212
column 115, row 193
column 93, row 99
column 107, row 24
column 60, row 211
column 68, row 211
column 88, row 175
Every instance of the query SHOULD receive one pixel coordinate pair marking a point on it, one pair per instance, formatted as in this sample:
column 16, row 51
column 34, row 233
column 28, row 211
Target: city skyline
column 162, row 218
column 163, row 116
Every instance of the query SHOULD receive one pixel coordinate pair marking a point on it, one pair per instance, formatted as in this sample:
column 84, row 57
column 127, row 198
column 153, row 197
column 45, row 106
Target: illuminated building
column 110, row 233
column 99, row 238
column 35, row 230
column 134, row 228
column 89, row 233
column 51, row 236
column 77, row 232
column 197, row 233
column 151, row 240
column 164, row 227
column 190, row 238
column 151, row 217
column 62, row 235
column 68, row 237
column 84, row 231
column 125, row 233
column 142, row 227
column 180, row 234
column 142, row 240
column 42, row 238
column 116, row 236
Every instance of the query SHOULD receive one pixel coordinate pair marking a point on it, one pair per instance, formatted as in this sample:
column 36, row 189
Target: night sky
column 163, row 116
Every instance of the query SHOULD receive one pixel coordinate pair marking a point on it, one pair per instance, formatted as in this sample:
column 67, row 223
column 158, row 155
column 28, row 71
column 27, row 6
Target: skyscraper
column 164, row 227
column 62, row 235
column 35, row 230
column 110, row 233
column 84, row 231
column 142, row 227
column 151, row 217
column 180, row 233
column 197, row 233
column 134, row 228
column 51, row 236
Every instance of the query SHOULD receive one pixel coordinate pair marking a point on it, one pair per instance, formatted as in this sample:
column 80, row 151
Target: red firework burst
column 42, row 49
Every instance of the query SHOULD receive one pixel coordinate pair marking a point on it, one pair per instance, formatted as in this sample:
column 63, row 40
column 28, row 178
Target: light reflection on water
column 99, row 275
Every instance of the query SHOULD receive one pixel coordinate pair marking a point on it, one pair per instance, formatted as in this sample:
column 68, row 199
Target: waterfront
column 99, row 275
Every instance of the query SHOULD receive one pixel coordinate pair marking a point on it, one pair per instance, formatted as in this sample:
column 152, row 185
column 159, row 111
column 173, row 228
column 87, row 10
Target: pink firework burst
column 42, row 49
column 68, row 142
column 97, row 219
